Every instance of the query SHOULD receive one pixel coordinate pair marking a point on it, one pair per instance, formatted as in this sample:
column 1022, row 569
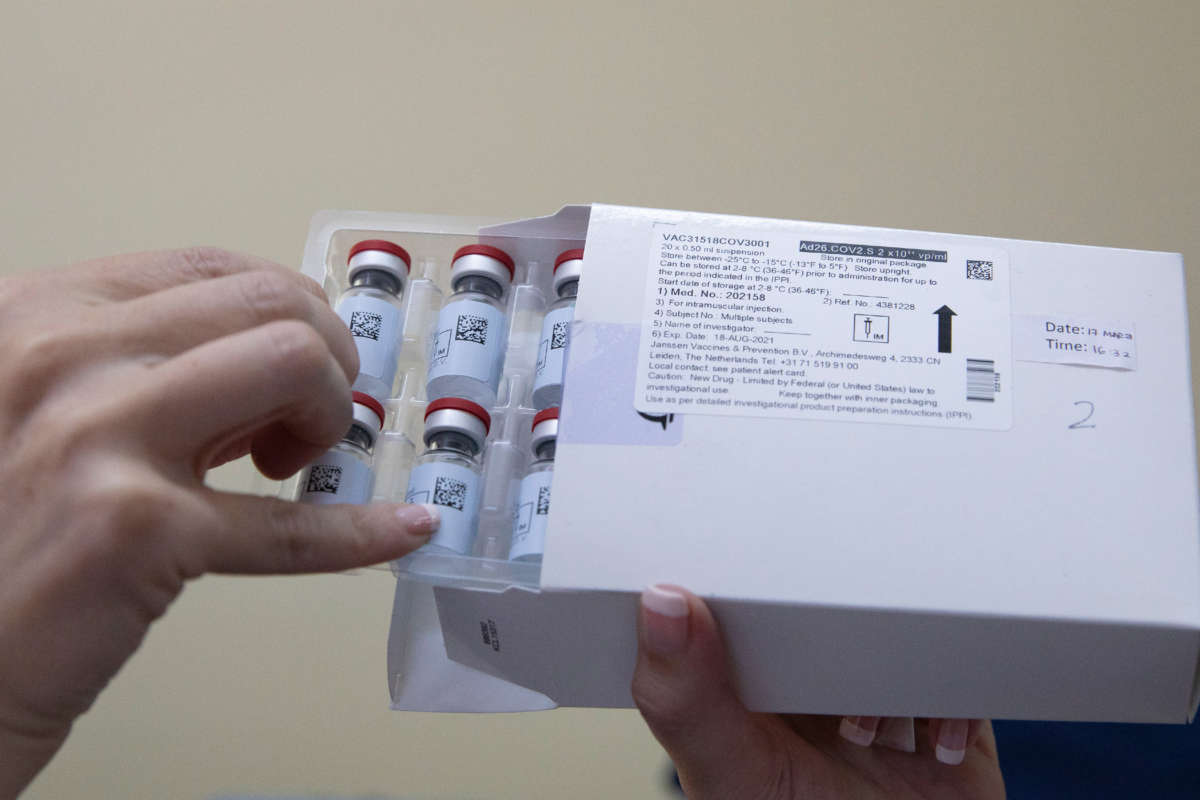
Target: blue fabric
column 1063, row 760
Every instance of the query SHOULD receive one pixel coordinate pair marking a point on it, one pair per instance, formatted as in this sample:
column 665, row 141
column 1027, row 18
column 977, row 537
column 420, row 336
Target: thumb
column 264, row 535
column 684, row 689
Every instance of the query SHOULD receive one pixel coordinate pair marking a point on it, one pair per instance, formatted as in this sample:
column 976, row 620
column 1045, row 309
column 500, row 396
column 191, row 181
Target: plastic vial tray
column 431, row 242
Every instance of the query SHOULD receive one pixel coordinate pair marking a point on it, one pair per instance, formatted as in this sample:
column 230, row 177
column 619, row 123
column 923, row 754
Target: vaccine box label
column 786, row 323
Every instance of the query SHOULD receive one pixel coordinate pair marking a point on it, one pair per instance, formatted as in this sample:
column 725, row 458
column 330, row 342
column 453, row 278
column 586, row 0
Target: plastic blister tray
column 431, row 241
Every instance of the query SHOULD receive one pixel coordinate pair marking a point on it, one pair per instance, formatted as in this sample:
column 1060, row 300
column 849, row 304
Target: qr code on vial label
column 979, row 270
column 543, row 501
column 471, row 329
column 324, row 478
column 450, row 493
column 558, row 337
column 366, row 324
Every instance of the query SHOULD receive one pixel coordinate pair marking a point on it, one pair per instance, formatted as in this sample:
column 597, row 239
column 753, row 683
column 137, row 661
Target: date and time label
column 803, row 325
column 1074, row 339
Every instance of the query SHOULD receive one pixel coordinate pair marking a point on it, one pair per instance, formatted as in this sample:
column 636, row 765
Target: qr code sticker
column 543, row 501
column 450, row 493
column 979, row 270
column 366, row 324
column 324, row 478
column 558, row 337
column 471, row 329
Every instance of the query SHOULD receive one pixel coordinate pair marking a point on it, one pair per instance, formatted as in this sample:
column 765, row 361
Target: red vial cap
column 543, row 415
column 487, row 250
column 371, row 403
column 381, row 244
column 459, row 404
column 567, row 255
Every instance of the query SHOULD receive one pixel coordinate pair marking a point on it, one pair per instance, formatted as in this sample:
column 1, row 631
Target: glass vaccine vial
column 556, row 330
column 449, row 473
column 467, row 354
column 371, row 308
column 344, row 473
column 533, row 498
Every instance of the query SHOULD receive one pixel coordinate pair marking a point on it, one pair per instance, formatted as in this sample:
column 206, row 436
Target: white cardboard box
column 1028, row 553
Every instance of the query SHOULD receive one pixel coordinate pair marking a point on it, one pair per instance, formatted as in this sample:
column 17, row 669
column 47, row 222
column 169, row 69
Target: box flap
column 536, row 639
column 540, row 239
column 422, row 678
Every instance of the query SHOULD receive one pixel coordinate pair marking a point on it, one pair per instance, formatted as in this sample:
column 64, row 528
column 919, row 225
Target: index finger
column 131, row 275
column 243, row 534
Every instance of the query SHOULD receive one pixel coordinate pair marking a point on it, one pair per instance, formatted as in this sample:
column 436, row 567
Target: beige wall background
column 128, row 126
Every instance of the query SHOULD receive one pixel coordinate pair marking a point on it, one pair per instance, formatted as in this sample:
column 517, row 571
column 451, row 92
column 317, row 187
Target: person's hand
column 122, row 381
column 683, row 687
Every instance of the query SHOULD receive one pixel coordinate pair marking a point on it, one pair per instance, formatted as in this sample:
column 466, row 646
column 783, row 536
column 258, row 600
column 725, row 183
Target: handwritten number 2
column 1083, row 423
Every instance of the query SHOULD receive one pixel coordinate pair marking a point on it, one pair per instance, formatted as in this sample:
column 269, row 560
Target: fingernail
column 664, row 620
column 898, row 733
column 420, row 519
column 859, row 730
column 952, row 741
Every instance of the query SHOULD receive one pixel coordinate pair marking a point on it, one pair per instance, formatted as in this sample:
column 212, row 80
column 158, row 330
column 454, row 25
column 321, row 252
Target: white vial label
column 375, row 325
column 469, row 341
column 336, row 477
column 556, row 331
column 529, row 519
column 455, row 490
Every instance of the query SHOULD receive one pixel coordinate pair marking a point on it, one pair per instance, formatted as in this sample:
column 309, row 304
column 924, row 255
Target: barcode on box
column 982, row 380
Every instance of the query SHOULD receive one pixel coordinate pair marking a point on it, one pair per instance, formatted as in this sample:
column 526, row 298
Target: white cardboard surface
column 1047, row 571
column 1095, row 524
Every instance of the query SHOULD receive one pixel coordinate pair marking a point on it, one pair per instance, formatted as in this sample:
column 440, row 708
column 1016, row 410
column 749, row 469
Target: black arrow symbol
column 658, row 419
column 944, row 314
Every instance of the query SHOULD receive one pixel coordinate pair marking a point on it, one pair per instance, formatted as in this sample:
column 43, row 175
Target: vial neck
column 453, row 441
column 359, row 437
column 480, row 284
column 378, row 279
column 569, row 289
column 545, row 451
